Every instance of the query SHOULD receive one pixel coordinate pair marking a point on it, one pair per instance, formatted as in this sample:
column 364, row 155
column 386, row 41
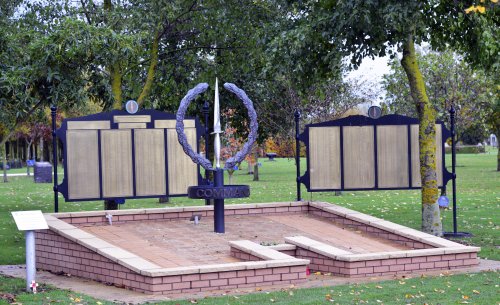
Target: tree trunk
column 116, row 85
column 50, row 154
column 10, row 157
column 41, row 150
column 27, row 158
column 3, row 156
column 250, row 168
column 498, row 157
column 146, row 89
column 431, row 220
column 256, row 171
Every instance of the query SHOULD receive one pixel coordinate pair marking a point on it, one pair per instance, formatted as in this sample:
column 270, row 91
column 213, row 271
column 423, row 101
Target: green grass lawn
column 478, row 288
column 478, row 203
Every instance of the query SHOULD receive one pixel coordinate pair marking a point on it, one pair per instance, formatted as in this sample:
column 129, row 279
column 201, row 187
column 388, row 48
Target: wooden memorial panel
column 89, row 125
column 182, row 171
column 118, row 155
column 150, row 174
column 324, row 158
column 362, row 153
column 82, row 164
column 116, row 159
column 359, row 171
column 392, row 156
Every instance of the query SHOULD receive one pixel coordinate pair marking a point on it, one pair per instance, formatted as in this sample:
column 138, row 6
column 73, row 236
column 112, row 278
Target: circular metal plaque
column 374, row 112
column 131, row 106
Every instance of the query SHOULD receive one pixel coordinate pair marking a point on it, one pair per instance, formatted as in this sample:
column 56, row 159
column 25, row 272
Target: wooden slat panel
column 415, row 155
column 83, row 164
column 359, row 164
column 392, row 156
column 182, row 171
column 116, row 159
column 131, row 125
column 324, row 158
column 171, row 123
column 150, row 177
column 88, row 125
column 132, row 118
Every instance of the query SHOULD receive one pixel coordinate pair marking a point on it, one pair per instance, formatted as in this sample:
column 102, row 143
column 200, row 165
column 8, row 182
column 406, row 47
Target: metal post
column 297, row 151
column 453, row 164
column 219, row 203
column 206, row 135
column 30, row 258
column 53, row 112
column 455, row 232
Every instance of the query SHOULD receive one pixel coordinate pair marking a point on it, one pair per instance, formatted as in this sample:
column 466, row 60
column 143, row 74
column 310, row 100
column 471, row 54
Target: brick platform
column 70, row 246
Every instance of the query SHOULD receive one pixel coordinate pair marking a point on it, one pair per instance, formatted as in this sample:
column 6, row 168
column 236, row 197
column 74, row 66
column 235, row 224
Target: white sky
column 371, row 71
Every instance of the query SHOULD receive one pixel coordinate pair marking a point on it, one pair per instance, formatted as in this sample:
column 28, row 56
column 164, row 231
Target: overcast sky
column 371, row 71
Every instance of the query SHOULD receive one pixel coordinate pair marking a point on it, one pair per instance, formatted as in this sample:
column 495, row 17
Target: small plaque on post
column 30, row 220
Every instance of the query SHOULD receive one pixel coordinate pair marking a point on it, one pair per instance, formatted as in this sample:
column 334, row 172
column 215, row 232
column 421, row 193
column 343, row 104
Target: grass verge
column 477, row 288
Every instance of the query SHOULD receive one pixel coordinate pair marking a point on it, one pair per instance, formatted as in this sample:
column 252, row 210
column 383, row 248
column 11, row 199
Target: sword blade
column 217, row 127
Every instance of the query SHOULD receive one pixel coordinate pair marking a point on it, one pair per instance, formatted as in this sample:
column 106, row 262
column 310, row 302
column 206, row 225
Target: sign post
column 29, row 221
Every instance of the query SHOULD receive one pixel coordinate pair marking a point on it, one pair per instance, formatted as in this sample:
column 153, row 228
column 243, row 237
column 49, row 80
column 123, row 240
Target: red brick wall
column 58, row 254
column 243, row 255
column 101, row 220
column 61, row 255
column 369, row 229
column 386, row 266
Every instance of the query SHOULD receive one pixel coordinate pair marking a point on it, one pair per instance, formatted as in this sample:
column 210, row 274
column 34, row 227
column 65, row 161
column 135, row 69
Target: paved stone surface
column 181, row 243
column 111, row 293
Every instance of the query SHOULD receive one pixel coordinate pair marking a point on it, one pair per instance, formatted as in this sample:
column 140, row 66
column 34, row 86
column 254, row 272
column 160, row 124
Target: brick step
column 316, row 246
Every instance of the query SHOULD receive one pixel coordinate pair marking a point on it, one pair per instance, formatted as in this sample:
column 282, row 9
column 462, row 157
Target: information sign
column 29, row 220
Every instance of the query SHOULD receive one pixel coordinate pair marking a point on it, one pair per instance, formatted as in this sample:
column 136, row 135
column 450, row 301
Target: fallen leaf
column 476, row 292
column 379, row 287
column 465, row 297
column 317, row 273
column 193, row 301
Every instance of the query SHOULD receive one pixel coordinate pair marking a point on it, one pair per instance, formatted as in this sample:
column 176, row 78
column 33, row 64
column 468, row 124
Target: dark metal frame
column 108, row 116
column 385, row 120
column 359, row 120
column 455, row 232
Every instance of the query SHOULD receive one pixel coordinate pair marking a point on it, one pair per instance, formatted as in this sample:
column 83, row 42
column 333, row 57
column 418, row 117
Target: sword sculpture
column 218, row 191
column 217, row 128
column 219, row 226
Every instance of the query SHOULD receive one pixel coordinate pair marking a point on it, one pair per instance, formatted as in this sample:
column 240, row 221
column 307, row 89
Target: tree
column 360, row 28
column 449, row 81
column 150, row 51
column 36, row 71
